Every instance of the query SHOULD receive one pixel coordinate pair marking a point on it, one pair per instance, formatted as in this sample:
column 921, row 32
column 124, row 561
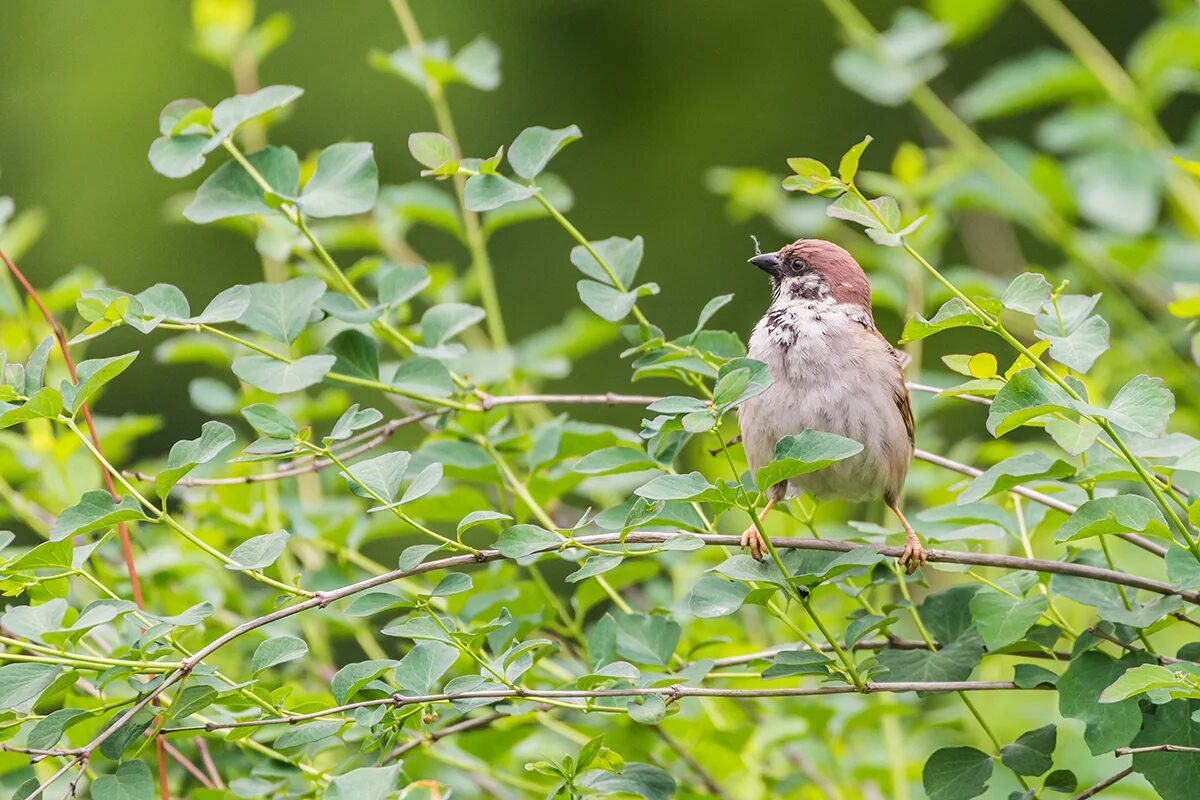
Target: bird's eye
column 797, row 266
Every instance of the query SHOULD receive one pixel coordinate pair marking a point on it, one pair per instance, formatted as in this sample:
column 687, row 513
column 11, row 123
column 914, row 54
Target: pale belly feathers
column 832, row 375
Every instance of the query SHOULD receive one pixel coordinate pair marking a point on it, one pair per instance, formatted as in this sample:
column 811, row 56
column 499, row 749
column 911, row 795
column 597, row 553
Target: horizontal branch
column 1031, row 494
column 668, row 693
column 869, row 644
column 323, row 599
column 1165, row 748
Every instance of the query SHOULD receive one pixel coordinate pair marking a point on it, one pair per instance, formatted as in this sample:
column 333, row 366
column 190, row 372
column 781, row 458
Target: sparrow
column 831, row 371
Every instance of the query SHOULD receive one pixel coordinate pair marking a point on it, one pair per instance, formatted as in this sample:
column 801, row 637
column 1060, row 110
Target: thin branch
column 1104, row 784
column 323, row 599
column 462, row 726
column 135, row 582
column 376, row 437
column 706, row 777
column 893, row 643
column 61, row 337
column 1165, row 748
column 195, row 771
column 209, row 764
column 1031, row 494
column 668, row 693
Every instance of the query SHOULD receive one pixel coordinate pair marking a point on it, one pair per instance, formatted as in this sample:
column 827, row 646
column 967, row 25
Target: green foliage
column 532, row 576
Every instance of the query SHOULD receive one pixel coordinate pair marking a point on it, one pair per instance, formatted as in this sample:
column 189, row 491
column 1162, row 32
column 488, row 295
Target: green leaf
column 280, row 377
column 227, row 306
column 1027, row 293
column 954, row 313
column 644, row 780
column 445, row 321
column 131, row 781
column 673, row 487
column 46, row 404
column 270, row 421
column 811, row 176
column 282, row 310
column 647, row 638
column 1013, row 472
column 1025, row 397
column 1110, row 515
column 788, row 663
column 1143, row 406
column 277, row 650
column 231, row 192
column 524, row 540
column 400, row 284
column 1033, row 751
column 50, row 728
column 480, row 517
column 716, row 597
column 424, row 375
column 35, row 366
column 95, row 510
column 306, row 734
column 803, row 453
column 357, row 354
column 609, row 460
column 92, row 375
column 622, row 256
column 596, row 565
column 380, row 475
column 259, row 552
column 424, row 665
column 191, row 700
column 533, row 148
column 1140, row 679
column 351, row 678
column 954, row 662
column 848, row 167
column 365, row 783
column 1003, row 620
column 1033, row 80
column 608, row 303
column 454, row 583
column 423, row 484
column 947, row 613
column 1174, row 776
column 231, row 112
column 430, row 149
column 190, row 453
column 22, row 683
column 1061, row 780
column 1109, row 725
column 486, row 192
column 345, row 182
column 1080, row 348
column 956, row 773
column 178, row 156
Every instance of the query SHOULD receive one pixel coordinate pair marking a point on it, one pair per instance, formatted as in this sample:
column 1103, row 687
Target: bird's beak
column 767, row 262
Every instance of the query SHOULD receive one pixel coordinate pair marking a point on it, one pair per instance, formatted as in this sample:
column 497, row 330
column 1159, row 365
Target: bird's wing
column 903, row 404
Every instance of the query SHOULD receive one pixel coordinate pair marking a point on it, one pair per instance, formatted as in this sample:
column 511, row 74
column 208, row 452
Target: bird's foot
column 753, row 539
column 914, row 554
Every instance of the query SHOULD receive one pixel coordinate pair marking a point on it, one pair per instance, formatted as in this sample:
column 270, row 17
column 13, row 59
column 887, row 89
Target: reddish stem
column 126, row 544
column 122, row 529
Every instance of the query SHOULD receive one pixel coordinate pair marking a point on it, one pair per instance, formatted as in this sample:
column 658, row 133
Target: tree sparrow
column 832, row 371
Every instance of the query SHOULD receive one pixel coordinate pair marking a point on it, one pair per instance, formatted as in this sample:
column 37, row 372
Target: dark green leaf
column 803, row 453
column 259, row 552
column 1033, row 751
column 956, row 773
column 277, row 650
column 95, row 510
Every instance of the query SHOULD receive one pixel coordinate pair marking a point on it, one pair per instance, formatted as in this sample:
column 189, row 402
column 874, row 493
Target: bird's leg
column 753, row 539
column 914, row 554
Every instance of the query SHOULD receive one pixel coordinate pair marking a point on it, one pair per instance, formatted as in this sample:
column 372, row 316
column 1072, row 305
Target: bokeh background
column 662, row 91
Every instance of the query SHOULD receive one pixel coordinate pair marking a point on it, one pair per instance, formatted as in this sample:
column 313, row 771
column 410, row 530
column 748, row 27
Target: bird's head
column 814, row 269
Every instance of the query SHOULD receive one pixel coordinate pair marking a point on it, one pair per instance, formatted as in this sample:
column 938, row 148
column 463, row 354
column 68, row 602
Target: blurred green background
column 662, row 91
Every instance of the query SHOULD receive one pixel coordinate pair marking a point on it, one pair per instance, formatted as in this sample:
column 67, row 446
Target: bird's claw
column 753, row 539
column 914, row 554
